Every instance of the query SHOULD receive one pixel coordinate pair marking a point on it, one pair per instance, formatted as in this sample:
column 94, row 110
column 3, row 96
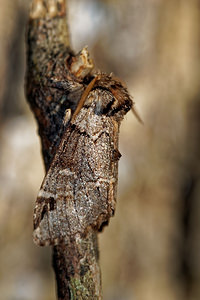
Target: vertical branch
column 77, row 269
column 53, row 85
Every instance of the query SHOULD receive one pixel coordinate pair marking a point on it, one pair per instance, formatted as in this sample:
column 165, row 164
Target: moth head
column 113, row 98
column 105, row 96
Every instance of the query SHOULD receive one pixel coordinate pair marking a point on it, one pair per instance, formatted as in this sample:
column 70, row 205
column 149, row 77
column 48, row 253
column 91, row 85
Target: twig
column 76, row 264
column 78, row 194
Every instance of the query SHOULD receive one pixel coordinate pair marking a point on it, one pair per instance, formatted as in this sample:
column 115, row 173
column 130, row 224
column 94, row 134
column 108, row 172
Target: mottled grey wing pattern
column 79, row 189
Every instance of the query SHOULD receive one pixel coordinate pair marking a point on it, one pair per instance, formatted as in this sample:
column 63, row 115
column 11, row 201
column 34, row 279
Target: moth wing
column 79, row 189
column 55, row 202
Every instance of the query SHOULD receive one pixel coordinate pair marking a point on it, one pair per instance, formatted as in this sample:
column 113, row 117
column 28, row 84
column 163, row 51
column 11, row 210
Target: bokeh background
column 151, row 249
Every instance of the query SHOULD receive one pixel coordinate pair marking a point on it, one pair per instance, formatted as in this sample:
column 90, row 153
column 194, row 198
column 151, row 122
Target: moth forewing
column 79, row 189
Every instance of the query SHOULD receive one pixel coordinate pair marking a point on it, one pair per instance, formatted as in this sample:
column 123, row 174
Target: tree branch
column 78, row 194
column 53, row 84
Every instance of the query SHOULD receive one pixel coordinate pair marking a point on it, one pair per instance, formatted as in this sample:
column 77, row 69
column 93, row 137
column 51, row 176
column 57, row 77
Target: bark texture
column 54, row 82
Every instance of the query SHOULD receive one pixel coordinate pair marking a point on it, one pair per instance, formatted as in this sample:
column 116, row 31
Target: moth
column 80, row 188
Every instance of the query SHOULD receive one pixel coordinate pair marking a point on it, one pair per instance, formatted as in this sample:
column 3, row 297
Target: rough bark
column 53, row 72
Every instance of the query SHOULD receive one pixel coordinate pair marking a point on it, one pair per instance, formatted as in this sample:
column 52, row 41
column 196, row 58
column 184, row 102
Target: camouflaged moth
column 79, row 189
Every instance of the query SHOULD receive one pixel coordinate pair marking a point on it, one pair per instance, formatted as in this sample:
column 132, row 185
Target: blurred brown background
column 151, row 249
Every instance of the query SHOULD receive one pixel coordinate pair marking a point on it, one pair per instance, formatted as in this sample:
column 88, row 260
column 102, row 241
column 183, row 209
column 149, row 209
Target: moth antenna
column 136, row 114
column 84, row 96
column 67, row 116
